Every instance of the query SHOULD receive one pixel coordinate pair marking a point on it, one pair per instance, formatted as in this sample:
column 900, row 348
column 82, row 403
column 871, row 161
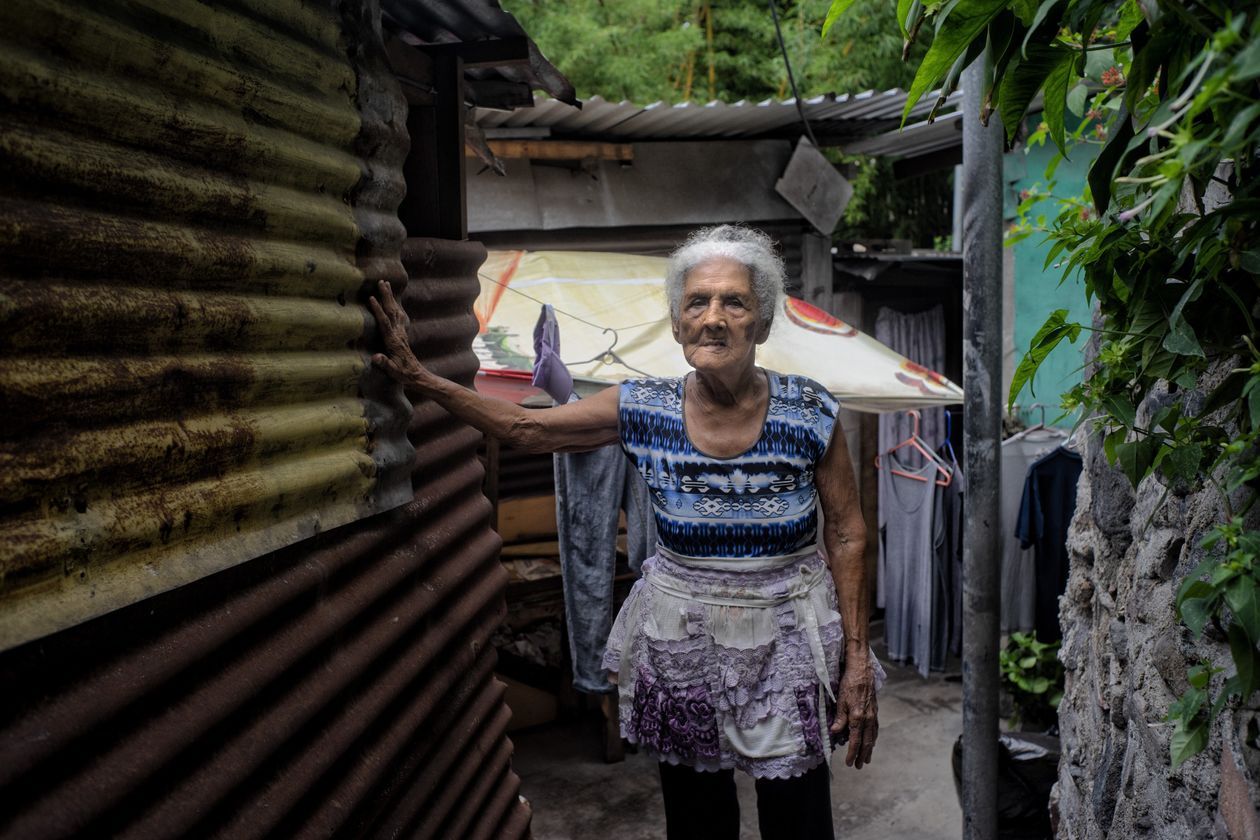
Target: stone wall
column 1126, row 656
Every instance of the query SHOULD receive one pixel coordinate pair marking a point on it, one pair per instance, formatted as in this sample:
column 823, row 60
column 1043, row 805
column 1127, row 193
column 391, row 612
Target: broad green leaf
column 1181, row 338
column 1028, row 662
column 1199, row 676
column 1183, row 462
column 1243, row 652
column 1249, row 261
column 1054, row 330
column 1054, row 96
column 1253, row 408
column 1020, row 85
column 1187, row 741
column 1025, row 10
column 1240, row 595
column 966, row 22
column 1221, row 574
column 1130, row 17
column 1040, row 17
column 1193, row 586
column 1135, row 458
column 1077, row 98
column 1104, row 166
column 839, row 7
column 1002, row 53
column 1187, row 706
column 1195, row 613
column 1247, row 62
column 1111, row 441
column 903, row 14
column 1238, row 126
column 1121, row 408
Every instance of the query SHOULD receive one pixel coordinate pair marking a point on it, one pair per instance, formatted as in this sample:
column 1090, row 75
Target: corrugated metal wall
column 339, row 686
column 194, row 198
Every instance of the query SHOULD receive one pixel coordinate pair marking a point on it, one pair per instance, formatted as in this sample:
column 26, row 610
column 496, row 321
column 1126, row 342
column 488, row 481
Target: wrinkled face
column 718, row 325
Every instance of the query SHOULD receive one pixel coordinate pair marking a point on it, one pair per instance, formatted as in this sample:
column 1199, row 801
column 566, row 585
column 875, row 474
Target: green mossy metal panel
column 195, row 200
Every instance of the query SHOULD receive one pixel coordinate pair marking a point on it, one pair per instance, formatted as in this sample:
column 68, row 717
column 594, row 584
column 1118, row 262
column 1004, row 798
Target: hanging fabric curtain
column 614, row 317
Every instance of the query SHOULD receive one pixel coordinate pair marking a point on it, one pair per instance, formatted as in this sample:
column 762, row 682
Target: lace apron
column 727, row 663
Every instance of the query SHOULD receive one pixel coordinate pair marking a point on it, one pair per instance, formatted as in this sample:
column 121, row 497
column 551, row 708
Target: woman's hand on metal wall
column 392, row 320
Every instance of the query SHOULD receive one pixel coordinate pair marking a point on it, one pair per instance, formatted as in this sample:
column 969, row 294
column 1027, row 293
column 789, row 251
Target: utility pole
column 982, row 424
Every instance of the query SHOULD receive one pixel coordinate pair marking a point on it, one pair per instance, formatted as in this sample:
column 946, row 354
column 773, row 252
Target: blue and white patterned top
column 758, row 504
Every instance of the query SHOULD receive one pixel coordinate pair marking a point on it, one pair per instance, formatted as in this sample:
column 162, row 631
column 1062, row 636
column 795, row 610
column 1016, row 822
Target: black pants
column 703, row 806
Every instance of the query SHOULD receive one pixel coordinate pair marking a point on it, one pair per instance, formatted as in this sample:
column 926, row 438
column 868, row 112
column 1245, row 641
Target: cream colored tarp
column 614, row 324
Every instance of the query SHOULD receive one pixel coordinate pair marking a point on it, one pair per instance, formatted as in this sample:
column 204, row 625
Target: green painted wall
column 1037, row 289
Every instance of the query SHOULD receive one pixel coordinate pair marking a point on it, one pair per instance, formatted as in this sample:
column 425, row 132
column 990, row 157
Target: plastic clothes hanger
column 609, row 356
column 944, row 474
column 1036, row 427
column 948, row 444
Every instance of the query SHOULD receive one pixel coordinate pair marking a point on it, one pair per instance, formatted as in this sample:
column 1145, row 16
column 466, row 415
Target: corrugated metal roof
column 453, row 21
column 857, row 115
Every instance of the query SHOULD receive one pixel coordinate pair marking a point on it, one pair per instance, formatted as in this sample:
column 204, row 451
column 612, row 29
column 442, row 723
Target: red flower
column 1112, row 77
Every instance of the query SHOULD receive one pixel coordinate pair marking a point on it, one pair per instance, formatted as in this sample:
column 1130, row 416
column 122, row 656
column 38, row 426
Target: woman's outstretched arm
column 576, row 427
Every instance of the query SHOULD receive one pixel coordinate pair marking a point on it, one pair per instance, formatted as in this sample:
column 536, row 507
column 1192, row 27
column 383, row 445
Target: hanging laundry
column 951, row 560
column 1019, row 578
column 919, row 336
column 591, row 490
column 550, row 372
column 912, row 536
column 1045, row 513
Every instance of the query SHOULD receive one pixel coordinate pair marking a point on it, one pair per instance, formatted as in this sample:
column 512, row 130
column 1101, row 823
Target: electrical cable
column 796, row 97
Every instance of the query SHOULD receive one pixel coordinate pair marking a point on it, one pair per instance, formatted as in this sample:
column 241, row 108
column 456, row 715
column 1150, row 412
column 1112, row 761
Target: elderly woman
column 733, row 650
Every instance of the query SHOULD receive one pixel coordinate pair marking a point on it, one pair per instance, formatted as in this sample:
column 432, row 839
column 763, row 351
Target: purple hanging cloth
column 550, row 373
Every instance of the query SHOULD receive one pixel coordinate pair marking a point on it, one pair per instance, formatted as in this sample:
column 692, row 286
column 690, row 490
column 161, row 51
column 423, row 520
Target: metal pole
column 982, row 423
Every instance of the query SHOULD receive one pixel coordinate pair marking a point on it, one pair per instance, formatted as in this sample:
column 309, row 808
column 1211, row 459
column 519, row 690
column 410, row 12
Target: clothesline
column 560, row 311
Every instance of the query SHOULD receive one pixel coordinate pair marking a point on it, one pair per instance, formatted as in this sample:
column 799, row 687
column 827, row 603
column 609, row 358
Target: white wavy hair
column 747, row 246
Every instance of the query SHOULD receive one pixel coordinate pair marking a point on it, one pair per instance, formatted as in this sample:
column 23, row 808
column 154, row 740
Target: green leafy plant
column 1166, row 240
column 1033, row 676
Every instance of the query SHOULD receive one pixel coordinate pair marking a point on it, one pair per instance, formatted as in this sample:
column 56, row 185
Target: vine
column 1167, row 244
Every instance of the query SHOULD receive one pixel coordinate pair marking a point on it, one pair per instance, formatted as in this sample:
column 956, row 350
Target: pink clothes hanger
column 943, row 474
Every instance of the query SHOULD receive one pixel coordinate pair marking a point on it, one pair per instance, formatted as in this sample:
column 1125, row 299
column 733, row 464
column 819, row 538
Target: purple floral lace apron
column 730, row 663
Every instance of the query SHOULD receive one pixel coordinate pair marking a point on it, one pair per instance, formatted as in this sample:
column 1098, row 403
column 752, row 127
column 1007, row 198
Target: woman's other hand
column 391, row 319
column 856, row 710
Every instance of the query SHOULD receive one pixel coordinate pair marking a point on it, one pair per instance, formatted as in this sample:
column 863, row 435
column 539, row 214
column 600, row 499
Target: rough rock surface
column 1126, row 656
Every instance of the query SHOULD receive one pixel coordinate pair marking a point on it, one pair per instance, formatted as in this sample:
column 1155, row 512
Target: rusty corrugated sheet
column 340, row 686
column 194, row 199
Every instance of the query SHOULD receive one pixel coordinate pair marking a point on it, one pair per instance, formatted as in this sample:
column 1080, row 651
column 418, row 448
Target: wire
column 607, row 353
column 560, row 311
column 796, row 97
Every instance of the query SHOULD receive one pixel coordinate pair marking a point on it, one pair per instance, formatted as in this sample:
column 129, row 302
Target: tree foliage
column 1172, row 267
column 700, row 50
